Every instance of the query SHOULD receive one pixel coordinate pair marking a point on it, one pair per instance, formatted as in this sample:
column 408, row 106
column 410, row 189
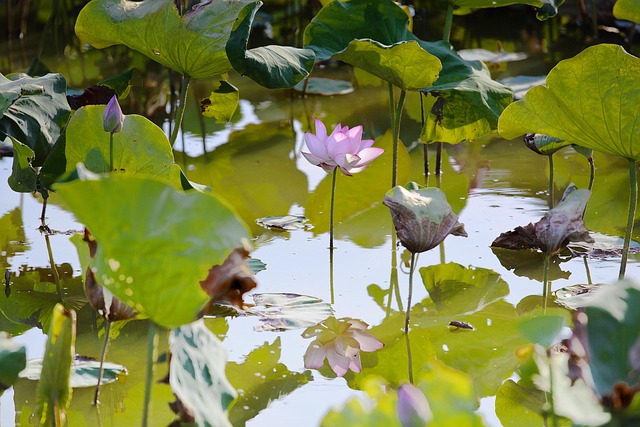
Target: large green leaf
column 53, row 393
column 13, row 359
column 627, row 9
column 271, row 66
column 33, row 110
column 197, row 374
column 404, row 64
column 468, row 101
column 155, row 243
column 23, row 177
column 140, row 148
column 546, row 8
column 588, row 101
column 193, row 44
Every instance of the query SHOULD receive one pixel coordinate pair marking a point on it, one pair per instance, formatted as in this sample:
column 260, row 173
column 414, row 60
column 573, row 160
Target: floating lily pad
column 84, row 371
column 285, row 222
column 485, row 55
column 323, row 86
column 575, row 296
column 284, row 311
column 603, row 246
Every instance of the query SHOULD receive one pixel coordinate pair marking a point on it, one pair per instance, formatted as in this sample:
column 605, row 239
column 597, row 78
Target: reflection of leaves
column 13, row 358
column 261, row 379
column 12, row 237
column 530, row 264
column 222, row 102
column 197, row 374
column 230, row 280
column 84, row 372
column 279, row 312
column 284, row 222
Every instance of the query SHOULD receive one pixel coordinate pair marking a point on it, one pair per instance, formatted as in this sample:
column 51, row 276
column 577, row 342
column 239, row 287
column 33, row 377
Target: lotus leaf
column 155, row 243
column 546, row 8
column 518, row 405
column 33, row 111
column 193, row 44
column 140, row 148
column 271, row 66
column 280, row 311
column 627, row 9
column 13, row 358
column 53, row 393
column 222, row 102
column 590, row 100
column 404, row 64
column 84, row 372
column 326, row 87
column 197, row 374
column 24, row 177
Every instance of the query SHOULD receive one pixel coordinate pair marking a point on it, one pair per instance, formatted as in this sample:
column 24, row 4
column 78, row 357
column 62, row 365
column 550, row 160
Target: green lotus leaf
column 545, row 8
column 33, row 111
column 13, row 359
column 140, row 148
column 24, row 177
column 323, row 86
column 404, row 64
column 193, row 44
column 587, row 102
column 519, row 405
column 156, row 243
column 197, row 374
column 627, row 9
column 271, row 66
column 53, row 393
column 466, row 102
column 222, row 102
column 543, row 144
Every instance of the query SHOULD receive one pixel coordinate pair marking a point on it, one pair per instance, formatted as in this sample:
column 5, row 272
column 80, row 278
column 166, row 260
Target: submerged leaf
column 422, row 217
column 197, row 374
column 284, row 311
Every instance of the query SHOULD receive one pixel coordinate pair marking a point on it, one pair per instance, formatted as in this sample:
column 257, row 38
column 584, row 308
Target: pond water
column 494, row 185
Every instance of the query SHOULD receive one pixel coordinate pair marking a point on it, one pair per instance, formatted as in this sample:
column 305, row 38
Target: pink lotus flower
column 413, row 407
column 340, row 342
column 343, row 149
column 113, row 117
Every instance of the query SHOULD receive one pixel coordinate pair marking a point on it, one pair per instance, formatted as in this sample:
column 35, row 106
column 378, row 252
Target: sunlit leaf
column 84, row 372
column 197, row 374
column 280, row 311
column 546, row 8
column 222, row 102
column 627, row 9
column 53, row 393
column 13, row 358
column 193, row 44
column 586, row 102
column 23, row 177
column 33, row 111
column 154, row 245
column 271, row 66
column 404, row 64
column 261, row 379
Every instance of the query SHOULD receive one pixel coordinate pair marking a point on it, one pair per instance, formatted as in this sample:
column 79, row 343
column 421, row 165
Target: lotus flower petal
column 314, row 356
column 339, row 363
column 413, row 407
column 422, row 217
column 367, row 341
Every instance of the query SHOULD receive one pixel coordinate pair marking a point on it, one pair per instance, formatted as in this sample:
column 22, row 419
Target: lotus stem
column 425, row 146
column 333, row 202
column 438, row 158
column 554, row 418
column 586, row 267
column 43, row 212
column 551, row 198
column 54, row 270
column 396, row 136
column 152, row 350
column 180, row 110
column 407, row 318
column 448, row 24
column 633, row 200
column 110, row 151
column 545, row 282
column 592, row 172
column 103, row 355
column 331, row 276
column 392, row 113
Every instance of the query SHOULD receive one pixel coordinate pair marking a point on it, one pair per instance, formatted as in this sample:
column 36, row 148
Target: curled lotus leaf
column 422, row 217
column 192, row 44
column 231, row 279
column 543, row 144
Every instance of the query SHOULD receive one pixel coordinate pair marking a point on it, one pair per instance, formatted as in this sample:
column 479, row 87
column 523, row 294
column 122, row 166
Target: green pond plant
column 587, row 101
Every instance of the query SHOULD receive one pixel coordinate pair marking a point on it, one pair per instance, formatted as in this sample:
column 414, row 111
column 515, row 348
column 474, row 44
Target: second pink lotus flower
column 344, row 148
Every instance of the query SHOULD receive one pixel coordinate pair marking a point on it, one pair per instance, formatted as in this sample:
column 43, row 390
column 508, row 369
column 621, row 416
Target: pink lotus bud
column 413, row 408
column 113, row 117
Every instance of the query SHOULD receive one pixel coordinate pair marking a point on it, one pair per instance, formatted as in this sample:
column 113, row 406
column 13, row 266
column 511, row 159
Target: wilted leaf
column 323, row 86
column 283, row 311
column 197, row 374
column 84, row 371
column 602, row 246
column 285, row 222
column 230, row 280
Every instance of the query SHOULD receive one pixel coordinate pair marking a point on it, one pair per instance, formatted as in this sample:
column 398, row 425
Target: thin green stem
column 177, row 124
column 407, row 318
column 425, row 146
column 396, row 136
column 331, row 276
column 393, row 280
column 110, row 151
column 152, row 350
column 545, row 281
column 448, row 23
column 551, row 198
column 592, row 172
column 633, row 201
column 586, row 267
column 54, row 270
column 333, row 202
column 438, row 158
column 103, row 355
